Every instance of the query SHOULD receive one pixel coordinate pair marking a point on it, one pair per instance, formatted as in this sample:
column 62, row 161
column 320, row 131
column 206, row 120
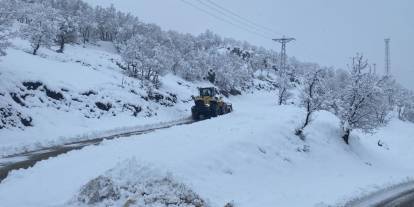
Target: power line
column 225, row 20
column 227, row 13
column 241, row 17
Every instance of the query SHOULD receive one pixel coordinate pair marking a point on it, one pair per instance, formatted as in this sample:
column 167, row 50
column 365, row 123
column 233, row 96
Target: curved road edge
column 29, row 159
column 398, row 195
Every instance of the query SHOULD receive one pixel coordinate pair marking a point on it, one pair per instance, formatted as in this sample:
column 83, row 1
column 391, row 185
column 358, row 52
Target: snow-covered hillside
column 54, row 98
column 250, row 157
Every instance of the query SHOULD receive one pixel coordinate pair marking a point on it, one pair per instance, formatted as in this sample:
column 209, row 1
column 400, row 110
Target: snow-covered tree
column 208, row 40
column 87, row 26
column 180, row 47
column 313, row 96
column 194, row 66
column 390, row 89
column 405, row 104
column 231, row 72
column 408, row 112
column 107, row 22
column 129, row 27
column 6, row 16
column 358, row 102
column 145, row 58
column 42, row 27
column 67, row 31
column 285, row 85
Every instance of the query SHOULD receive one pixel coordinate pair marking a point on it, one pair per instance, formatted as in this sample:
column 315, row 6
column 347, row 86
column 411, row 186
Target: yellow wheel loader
column 209, row 104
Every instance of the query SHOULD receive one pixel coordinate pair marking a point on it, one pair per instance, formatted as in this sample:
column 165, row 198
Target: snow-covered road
column 29, row 159
column 404, row 200
column 398, row 195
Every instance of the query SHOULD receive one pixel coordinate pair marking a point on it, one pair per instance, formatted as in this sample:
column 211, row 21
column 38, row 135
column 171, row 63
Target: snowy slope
column 72, row 96
column 250, row 157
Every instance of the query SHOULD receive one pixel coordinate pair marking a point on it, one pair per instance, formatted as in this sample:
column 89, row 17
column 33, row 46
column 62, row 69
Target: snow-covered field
column 78, row 95
column 249, row 157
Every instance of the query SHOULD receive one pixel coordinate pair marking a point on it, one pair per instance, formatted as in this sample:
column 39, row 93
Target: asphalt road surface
column 399, row 195
column 29, row 159
column 405, row 199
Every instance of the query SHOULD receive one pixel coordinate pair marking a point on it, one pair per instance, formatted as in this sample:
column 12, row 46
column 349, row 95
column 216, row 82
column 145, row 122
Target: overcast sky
column 328, row 32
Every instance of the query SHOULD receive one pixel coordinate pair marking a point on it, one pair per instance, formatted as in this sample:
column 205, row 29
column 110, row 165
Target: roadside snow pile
column 133, row 184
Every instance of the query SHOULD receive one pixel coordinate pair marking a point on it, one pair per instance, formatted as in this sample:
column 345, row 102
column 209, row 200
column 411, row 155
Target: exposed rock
column 32, row 85
column 103, row 107
column 135, row 109
column 16, row 99
column 53, row 94
column 10, row 117
column 27, row 122
column 88, row 93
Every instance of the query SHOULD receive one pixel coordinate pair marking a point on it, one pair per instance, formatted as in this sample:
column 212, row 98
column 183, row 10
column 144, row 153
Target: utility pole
column 387, row 57
column 283, row 57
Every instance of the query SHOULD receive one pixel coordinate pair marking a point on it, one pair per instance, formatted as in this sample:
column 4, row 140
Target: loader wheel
column 229, row 109
column 222, row 110
column 214, row 109
column 195, row 115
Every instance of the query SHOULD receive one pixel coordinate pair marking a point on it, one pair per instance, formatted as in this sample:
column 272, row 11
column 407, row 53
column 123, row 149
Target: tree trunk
column 299, row 131
column 35, row 49
column 281, row 95
column 308, row 115
column 347, row 132
column 86, row 36
column 61, row 44
column 174, row 68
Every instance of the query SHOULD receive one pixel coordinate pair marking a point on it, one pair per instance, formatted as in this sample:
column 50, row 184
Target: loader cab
column 208, row 92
